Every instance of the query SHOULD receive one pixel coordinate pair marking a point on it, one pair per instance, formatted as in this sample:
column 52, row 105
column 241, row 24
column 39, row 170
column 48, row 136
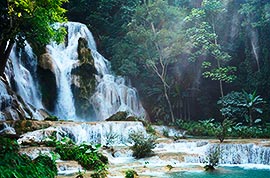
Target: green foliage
column 227, row 128
column 8, row 146
column 230, row 105
column 212, row 158
column 30, row 19
column 66, row 149
column 87, row 155
column 202, row 31
column 12, row 164
column 165, row 132
column 131, row 174
column 242, row 105
column 51, row 118
column 149, row 48
column 143, row 144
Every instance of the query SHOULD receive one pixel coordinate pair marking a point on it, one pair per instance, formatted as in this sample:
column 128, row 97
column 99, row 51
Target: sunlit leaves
column 204, row 38
column 33, row 19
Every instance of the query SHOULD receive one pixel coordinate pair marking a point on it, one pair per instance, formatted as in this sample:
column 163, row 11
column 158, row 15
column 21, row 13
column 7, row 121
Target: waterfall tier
column 106, row 133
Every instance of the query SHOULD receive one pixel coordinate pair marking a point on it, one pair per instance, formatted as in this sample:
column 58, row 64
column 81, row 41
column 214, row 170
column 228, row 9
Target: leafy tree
column 202, row 32
column 107, row 19
column 241, row 104
column 151, row 45
column 31, row 20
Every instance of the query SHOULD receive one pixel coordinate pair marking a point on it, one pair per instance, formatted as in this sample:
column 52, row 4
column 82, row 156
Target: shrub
column 143, row 144
column 131, row 174
column 89, row 157
column 51, row 118
column 66, row 149
column 21, row 166
column 8, row 145
column 86, row 155
column 212, row 158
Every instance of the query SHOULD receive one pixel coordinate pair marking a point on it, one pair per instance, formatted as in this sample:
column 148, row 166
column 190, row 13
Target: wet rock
column 46, row 62
column 48, row 87
column 83, row 81
column 119, row 116
column 12, row 107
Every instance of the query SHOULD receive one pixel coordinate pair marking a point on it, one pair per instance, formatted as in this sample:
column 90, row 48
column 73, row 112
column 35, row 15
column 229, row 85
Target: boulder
column 119, row 116
column 45, row 62
column 83, row 81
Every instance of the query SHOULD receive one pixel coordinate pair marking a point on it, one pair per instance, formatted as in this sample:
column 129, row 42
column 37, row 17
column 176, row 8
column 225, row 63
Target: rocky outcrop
column 47, row 81
column 12, row 107
column 46, row 62
column 83, row 81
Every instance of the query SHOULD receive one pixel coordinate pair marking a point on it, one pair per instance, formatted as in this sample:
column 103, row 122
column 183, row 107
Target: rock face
column 47, row 81
column 12, row 106
column 83, row 80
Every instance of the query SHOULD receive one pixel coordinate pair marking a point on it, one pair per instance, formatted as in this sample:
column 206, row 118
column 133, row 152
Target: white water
column 26, row 86
column 111, row 94
column 106, row 133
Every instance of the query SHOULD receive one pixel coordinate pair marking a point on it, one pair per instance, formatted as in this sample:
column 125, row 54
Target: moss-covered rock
column 83, row 81
column 119, row 116
column 23, row 126
column 51, row 118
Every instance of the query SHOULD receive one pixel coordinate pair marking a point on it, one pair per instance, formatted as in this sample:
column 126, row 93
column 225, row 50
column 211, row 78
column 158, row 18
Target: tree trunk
column 250, row 117
column 5, row 49
column 168, row 101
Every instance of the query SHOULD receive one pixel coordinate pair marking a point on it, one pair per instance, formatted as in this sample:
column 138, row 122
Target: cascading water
column 25, row 85
column 111, row 94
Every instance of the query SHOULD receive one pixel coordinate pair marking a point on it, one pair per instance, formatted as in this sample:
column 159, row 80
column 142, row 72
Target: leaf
column 257, row 121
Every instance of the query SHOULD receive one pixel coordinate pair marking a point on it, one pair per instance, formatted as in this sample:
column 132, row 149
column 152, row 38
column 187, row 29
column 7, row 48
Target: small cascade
column 106, row 133
column 233, row 154
column 7, row 129
column 111, row 96
column 244, row 154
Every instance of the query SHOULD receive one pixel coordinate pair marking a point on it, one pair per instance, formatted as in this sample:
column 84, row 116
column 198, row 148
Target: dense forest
column 189, row 59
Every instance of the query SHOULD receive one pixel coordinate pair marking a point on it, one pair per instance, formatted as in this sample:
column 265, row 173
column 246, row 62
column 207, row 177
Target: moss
column 12, row 164
column 51, row 118
column 119, row 116
column 131, row 174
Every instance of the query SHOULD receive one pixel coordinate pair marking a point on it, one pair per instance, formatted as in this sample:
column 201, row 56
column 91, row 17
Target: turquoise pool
column 224, row 172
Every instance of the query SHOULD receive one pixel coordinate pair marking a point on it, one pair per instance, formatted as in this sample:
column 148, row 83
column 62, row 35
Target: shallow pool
column 224, row 172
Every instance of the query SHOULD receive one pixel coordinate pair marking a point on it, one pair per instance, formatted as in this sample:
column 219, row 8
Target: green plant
column 111, row 137
column 66, row 149
column 8, row 145
column 165, row 132
column 212, row 158
column 21, row 166
column 143, row 144
column 242, row 105
column 252, row 104
column 148, row 127
column 130, row 174
column 51, row 118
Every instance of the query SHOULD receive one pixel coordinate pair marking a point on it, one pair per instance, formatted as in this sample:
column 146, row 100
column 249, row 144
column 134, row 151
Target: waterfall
column 111, row 94
column 25, row 85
